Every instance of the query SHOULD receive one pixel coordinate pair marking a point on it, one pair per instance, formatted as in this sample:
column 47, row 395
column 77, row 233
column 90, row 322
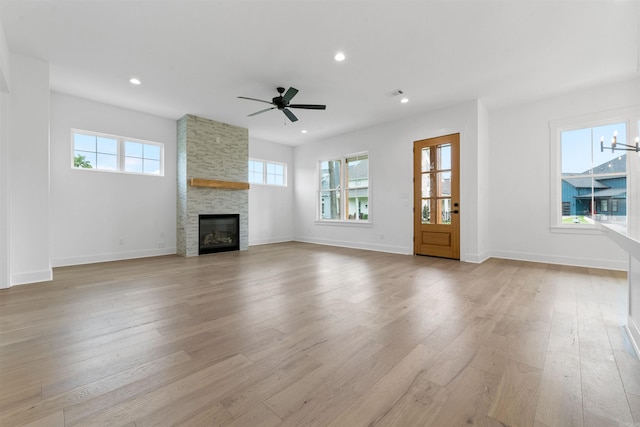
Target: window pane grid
column 593, row 178
column 269, row 173
column 344, row 188
column 116, row 154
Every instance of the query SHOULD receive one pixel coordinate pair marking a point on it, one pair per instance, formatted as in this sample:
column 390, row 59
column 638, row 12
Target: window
column 275, row 174
column 266, row 172
column 103, row 152
column 141, row 158
column 590, row 179
column 256, row 172
column 344, row 188
column 591, row 176
column 95, row 152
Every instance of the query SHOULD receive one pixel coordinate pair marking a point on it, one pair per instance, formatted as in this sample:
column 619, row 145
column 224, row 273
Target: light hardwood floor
column 296, row 334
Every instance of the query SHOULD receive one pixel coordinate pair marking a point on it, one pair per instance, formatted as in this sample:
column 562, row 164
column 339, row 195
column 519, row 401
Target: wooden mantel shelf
column 211, row 183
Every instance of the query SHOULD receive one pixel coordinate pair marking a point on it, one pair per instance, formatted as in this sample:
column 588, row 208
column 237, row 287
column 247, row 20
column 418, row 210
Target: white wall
column 390, row 148
column 29, row 171
column 271, row 208
column 103, row 216
column 519, row 180
column 5, row 59
column 4, row 191
column 484, row 189
column 4, row 161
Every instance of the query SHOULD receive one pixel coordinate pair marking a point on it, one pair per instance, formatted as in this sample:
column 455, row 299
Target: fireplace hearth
column 219, row 233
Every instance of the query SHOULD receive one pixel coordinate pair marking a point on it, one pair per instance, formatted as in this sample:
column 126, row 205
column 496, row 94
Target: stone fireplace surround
column 215, row 151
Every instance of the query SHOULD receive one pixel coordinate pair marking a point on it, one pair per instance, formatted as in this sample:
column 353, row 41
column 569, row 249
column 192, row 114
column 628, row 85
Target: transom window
column 267, row 172
column 344, row 188
column 102, row 152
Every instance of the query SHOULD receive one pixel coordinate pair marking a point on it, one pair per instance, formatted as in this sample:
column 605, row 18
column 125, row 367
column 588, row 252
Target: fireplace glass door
column 219, row 233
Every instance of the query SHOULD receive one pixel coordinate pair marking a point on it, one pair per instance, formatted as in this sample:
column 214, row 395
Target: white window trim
column 628, row 115
column 120, row 141
column 264, row 173
column 342, row 222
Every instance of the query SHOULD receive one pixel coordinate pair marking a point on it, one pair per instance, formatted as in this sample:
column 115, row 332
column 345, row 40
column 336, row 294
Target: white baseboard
column 365, row 246
column 257, row 242
column 31, row 277
column 562, row 260
column 475, row 258
column 634, row 334
column 116, row 256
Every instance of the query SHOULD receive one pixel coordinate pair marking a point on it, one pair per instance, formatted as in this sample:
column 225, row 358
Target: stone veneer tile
column 210, row 150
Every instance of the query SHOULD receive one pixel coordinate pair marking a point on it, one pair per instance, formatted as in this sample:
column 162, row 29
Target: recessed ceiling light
column 339, row 57
column 404, row 100
column 304, row 131
column 134, row 81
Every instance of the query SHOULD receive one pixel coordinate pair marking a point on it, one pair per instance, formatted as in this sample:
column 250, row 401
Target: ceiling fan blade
column 309, row 106
column 254, row 99
column 289, row 114
column 291, row 92
column 261, row 111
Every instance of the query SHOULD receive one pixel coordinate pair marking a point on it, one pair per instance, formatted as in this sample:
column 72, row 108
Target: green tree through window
column 79, row 161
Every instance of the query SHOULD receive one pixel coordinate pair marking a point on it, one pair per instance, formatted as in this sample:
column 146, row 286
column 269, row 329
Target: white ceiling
column 196, row 56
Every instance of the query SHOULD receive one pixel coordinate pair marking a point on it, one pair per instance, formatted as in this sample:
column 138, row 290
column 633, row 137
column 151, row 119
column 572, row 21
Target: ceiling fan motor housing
column 279, row 102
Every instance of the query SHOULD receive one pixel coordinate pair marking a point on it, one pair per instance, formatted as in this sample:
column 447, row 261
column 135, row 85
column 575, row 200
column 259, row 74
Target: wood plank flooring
column 295, row 334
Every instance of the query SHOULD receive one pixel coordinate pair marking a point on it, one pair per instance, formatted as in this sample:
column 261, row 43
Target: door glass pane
column 444, row 157
column 444, row 184
column 426, row 211
column 426, row 185
column 426, row 159
column 445, row 211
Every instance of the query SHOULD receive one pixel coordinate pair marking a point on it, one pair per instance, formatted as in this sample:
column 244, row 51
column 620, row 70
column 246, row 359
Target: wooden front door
column 436, row 175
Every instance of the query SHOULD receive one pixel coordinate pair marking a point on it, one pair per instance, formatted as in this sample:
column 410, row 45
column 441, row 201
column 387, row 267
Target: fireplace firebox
column 219, row 233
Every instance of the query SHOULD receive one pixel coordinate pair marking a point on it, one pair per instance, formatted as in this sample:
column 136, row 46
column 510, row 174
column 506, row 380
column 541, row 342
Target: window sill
column 345, row 223
column 575, row 229
column 262, row 184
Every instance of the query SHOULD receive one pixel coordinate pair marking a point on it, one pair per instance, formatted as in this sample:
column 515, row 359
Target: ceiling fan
column 281, row 102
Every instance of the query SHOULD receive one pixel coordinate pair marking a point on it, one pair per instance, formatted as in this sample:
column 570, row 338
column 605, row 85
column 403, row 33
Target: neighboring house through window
column 589, row 178
column 344, row 188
